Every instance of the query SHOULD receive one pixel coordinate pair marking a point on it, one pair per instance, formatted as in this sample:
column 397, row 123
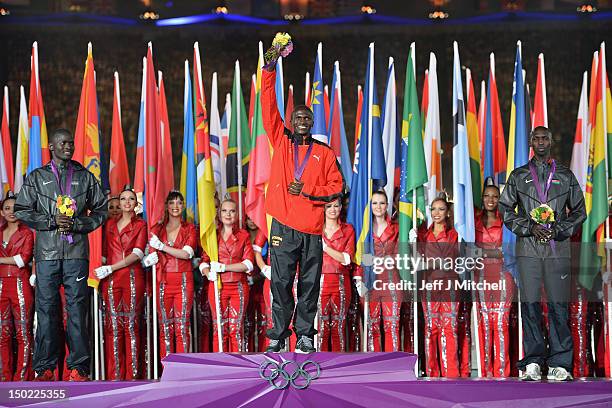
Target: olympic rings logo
column 279, row 376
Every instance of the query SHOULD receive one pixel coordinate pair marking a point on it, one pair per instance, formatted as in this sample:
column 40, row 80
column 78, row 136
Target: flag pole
column 96, row 337
column 102, row 356
column 218, row 312
column 148, row 320
column 415, row 300
column 239, row 144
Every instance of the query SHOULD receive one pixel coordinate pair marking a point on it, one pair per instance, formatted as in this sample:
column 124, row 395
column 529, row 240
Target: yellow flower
column 281, row 39
column 69, row 212
column 67, row 201
column 62, row 208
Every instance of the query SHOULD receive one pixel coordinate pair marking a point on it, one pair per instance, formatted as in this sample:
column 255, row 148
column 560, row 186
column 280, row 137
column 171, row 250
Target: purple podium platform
column 336, row 380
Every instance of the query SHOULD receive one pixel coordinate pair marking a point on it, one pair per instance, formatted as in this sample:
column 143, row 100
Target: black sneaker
column 305, row 345
column 276, row 346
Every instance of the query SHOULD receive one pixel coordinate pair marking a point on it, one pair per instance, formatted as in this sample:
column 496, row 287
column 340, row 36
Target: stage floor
column 376, row 380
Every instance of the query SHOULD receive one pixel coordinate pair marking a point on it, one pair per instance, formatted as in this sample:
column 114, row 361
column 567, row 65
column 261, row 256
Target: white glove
column 32, row 280
column 103, row 271
column 155, row 243
column 361, row 287
column 212, row 275
column 150, row 260
column 412, row 235
column 217, row 267
column 324, row 244
column 606, row 278
column 267, row 272
column 103, row 260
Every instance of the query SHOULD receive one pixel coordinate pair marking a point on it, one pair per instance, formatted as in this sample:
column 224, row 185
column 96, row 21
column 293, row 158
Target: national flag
column 425, row 99
column 307, row 89
column 165, row 176
column 260, row 163
column 139, row 168
column 389, row 134
column 413, row 176
column 518, row 146
column 358, row 119
column 462, row 179
column 432, row 145
column 6, row 141
column 482, row 112
column 87, row 152
column 540, row 107
column 580, row 151
column 252, row 101
column 279, row 88
column 118, row 167
column 154, row 194
column 494, row 145
column 317, row 103
column 237, row 161
column 38, row 141
column 359, row 211
column 4, row 134
column 188, row 183
column 23, row 136
column 289, row 110
column 336, row 131
column 216, row 143
column 205, row 176
column 225, row 123
column 473, row 140
column 596, row 192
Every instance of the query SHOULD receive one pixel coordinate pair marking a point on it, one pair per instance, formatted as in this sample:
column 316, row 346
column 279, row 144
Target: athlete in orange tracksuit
column 493, row 306
column 440, row 306
column 234, row 265
column 16, row 297
column 335, row 297
column 172, row 245
column 123, row 286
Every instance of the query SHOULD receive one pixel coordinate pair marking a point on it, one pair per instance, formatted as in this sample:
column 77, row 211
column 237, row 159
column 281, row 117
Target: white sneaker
column 558, row 374
column 532, row 373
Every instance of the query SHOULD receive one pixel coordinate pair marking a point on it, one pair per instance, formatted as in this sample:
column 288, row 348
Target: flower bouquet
column 281, row 47
column 66, row 205
column 543, row 215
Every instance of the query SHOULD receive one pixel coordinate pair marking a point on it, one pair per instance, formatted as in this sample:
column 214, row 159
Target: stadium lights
column 586, row 8
column 4, row 11
column 293, row 17
column 438, row 15
column 367, row 9
column 149, row 15
column 220, row 10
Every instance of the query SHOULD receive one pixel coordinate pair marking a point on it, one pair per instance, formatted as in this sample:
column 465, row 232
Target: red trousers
column 493, row 309
column 407, row 316
column 441, row 335
column 204, row 319
column 578, row 321
column 16, row 313
column 233, row 299
column 123, row 297
column 334, row 301
column 386, row 308
column 175, row 300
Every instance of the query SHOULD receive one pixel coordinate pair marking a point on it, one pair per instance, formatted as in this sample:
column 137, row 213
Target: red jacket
column 385, row 245
column 22, row 244
column 489, row 238
column 322, row 178
column 186, row 236
column 342, row 240
column 441, row 247
column 119, row 245
column 237, row 248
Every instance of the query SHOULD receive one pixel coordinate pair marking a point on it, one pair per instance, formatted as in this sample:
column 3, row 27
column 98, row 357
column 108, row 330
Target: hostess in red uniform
column 440, row 307
column 493, row 305
column 335, row 297
column 16, row 297
column 123, row 288
column 234, row 265
column 173, row 242
column 384, row 304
